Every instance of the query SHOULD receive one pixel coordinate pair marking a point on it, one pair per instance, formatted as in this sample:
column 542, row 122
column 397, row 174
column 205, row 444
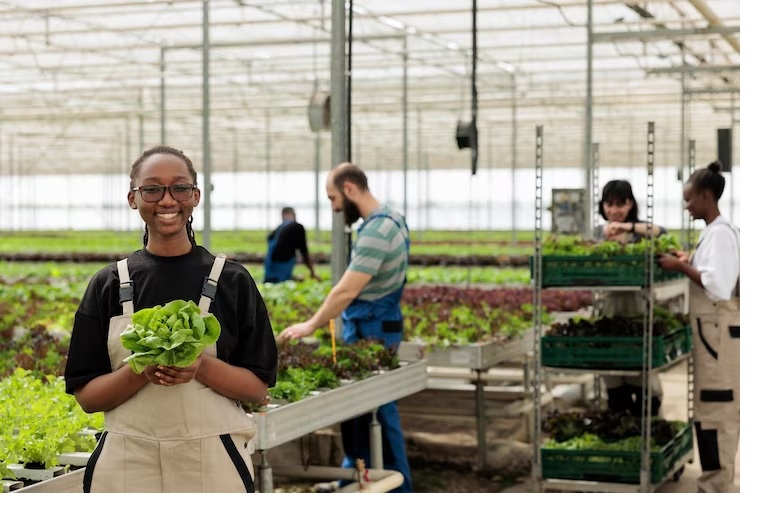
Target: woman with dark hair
column 171, row 429
column 619, row 208
column 714, row 272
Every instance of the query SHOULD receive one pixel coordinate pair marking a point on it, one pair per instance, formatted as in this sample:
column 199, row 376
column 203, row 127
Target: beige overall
column 182, row 438
column 716, row 336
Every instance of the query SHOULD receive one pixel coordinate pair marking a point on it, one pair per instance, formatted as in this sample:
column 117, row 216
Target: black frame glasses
column 156, row 192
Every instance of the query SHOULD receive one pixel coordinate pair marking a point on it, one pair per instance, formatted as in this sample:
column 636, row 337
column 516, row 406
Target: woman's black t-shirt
column 246, row 339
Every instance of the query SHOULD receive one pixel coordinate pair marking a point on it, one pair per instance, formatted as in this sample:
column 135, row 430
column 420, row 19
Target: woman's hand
column 615, row 228
column 682, row 256
column 169, row 376
column 671, row 263
column 149, row 373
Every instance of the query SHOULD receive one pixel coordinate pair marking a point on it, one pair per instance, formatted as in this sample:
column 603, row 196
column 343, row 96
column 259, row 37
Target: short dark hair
column 287, row 210
column 348, row 171
column 619, row 190
column 709, row 178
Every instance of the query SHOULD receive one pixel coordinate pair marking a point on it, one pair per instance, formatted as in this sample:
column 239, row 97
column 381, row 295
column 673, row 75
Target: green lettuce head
column 172, row 335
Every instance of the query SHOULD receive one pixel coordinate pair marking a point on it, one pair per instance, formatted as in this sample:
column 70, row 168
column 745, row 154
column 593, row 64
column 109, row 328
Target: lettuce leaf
column 174, row 334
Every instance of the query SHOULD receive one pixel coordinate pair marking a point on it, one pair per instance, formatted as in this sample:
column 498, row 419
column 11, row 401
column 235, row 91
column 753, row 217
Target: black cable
column 474, row 100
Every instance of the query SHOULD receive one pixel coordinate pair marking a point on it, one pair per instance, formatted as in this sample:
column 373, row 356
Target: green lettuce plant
column 170, row 335
column 41, row 421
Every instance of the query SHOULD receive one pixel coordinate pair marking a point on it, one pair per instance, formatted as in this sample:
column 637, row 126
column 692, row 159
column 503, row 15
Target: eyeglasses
column 155, row 192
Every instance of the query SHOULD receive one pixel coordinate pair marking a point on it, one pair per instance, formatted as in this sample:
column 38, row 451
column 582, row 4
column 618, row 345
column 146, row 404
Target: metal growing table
column 279, row 424
column 478, row 357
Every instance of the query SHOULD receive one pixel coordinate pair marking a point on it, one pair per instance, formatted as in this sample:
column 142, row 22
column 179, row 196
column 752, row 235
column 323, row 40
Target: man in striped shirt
column 368, row 298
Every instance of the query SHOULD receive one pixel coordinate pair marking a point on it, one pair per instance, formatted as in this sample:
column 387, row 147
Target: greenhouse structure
column 460, row 246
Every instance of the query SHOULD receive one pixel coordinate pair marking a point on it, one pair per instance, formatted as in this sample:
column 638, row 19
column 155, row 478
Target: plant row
column 40, row 422
column 605, row 430
column 308, row 366
column 575, row 246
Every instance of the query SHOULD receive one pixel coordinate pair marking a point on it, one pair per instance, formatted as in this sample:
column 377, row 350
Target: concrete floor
column 674, row 382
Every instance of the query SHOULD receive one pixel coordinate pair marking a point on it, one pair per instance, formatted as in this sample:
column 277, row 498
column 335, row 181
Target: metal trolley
column 649, row 291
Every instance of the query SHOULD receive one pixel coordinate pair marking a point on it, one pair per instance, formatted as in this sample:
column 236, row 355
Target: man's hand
column 169, row 376
column 297, row 331
column 671, row 263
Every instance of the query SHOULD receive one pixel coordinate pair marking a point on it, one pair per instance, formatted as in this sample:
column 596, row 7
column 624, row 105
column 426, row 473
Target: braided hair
column 164, row 150
column 709, row 178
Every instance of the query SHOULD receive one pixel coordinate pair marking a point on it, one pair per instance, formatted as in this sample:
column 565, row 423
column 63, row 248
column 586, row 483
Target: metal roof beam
column 665, row 34
column 708, row 91
column 694, row 69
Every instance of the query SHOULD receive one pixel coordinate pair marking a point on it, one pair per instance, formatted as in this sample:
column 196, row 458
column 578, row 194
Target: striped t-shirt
column 380, row 251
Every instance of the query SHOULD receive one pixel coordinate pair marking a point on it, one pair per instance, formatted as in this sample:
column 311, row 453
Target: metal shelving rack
column 647, row 291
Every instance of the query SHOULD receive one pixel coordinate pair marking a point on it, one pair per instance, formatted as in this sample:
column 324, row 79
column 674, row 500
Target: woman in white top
column 714, row 272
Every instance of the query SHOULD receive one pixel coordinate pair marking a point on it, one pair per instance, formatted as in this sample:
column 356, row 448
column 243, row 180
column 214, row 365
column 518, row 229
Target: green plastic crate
column 613, row 352
column 622, row 270
column 614, row 466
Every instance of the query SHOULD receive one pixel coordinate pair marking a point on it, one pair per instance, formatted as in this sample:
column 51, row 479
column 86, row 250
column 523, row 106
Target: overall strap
column 126, row 288
column 210, row 283
column 407, row 238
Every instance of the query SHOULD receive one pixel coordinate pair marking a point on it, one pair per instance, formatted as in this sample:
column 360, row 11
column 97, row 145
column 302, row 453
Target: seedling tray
column 622, row 270
column 615, row 466
column 616, row 353
column 480, row 356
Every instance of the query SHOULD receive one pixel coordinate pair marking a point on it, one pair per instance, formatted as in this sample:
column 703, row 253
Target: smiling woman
column 170, row 428
column 165, row 215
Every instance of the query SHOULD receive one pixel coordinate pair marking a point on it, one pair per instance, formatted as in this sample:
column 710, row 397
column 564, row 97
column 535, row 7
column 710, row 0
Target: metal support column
column 481, row 422
column 689, row 246
column 339, row 137
column 594, row 220
column 267, row 150
column 419, row 142
column 537, row 321
column 514, row 161
column 163, row 95
column 682, row 146
column 426, row 189
column 207, row 186
column 317, row 171
column 588, row 125
column 141, row 119
column 265, row 474
column 235, row 171
column 690, row 220
column 405, row 127
column 594, row 217
column 375, row 442
column 731, row 157
column 647, row 338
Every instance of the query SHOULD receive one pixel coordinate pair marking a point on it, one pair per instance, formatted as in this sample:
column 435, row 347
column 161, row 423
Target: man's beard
column 350, row 211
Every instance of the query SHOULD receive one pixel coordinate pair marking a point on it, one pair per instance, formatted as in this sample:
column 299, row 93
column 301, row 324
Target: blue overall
column 276, row 272
column 377, row 319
